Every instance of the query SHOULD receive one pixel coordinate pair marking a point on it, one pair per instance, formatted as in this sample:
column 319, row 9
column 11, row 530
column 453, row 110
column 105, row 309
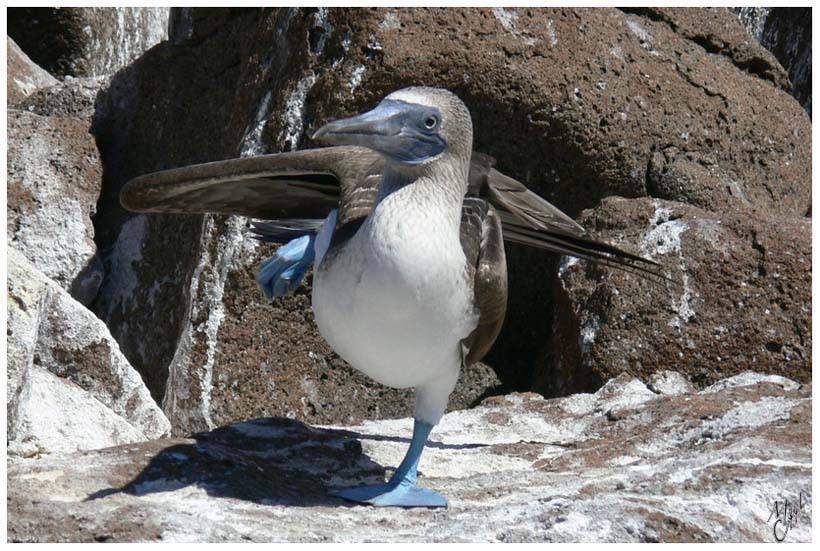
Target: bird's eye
column 430, row 122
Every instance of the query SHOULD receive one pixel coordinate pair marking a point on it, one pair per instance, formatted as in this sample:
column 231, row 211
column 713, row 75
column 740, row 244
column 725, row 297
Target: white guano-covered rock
column 23, row 75
column 623, row 464
column 54, row 179
column 56, row 415
column 79, row 369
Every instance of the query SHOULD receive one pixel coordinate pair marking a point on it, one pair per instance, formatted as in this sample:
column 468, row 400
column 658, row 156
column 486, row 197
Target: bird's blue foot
column 393, row 495
column 280, row 274
column 401, row 490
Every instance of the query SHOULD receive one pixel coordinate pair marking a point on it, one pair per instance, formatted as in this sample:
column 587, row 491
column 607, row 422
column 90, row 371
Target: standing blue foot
column 401, row 490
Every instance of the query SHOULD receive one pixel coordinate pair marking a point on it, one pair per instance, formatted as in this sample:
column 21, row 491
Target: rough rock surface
column 742, row 300
column 74, row 97
column 579, row 123
column 23, row 76
column 623, row 464
column 86, row 41
column 54, row 179
column 69, row 386
column 786, row 32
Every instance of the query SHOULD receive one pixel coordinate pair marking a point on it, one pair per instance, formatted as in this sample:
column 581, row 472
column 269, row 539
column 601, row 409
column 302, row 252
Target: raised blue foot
column 401, row 490
column 280, row 274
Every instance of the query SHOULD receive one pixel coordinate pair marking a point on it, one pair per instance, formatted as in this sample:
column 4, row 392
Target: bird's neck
column 440, row 185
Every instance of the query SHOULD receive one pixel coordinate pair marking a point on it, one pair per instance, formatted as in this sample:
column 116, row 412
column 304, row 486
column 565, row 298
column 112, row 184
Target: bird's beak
column 391, row 129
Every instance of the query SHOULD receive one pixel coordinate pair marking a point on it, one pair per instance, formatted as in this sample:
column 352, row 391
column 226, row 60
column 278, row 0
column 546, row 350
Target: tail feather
column 282, row 231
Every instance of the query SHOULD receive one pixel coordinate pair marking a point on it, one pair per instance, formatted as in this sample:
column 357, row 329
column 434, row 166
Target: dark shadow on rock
column 270, row 461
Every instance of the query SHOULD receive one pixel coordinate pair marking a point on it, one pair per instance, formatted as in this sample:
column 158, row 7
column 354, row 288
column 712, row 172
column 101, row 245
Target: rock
column 580, row 121
column 54, row 178
column 670, row 383
column 711, row 29
column 71, row 98
column 623, row 464
column 23, row 75
column 69, row 386
column 742, row 300
column 751, row 378
column 86, row 41
column 55, row 415
column 786, row 32
column 674, row 106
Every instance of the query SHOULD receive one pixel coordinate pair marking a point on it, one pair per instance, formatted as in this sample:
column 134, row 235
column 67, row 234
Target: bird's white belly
column 396, row 309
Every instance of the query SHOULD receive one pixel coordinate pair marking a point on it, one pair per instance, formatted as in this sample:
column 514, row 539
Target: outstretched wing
column 309, row 184
column 530, row 220
column 515, row 201
column 300, row 184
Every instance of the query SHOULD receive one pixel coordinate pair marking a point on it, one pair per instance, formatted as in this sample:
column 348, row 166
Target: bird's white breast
column 394, row 302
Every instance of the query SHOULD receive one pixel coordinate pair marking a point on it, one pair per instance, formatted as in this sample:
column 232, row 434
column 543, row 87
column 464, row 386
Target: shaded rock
column 69, row 386
column 742, row 300
column 23, row 75
column 579, row 122
column 786, row 32
column 86, row 41
column 74, row 97
column 623, row 464
column 191, row 26
column 54, row 179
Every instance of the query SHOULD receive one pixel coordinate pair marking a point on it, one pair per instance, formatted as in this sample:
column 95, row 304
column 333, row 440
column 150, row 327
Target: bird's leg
column 401, row 490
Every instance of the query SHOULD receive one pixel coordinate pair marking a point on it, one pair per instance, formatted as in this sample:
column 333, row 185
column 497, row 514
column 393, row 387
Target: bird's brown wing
column 299, row 184
column 513, row 198
column 309, row 184
column 530, row 220
column 483, row 244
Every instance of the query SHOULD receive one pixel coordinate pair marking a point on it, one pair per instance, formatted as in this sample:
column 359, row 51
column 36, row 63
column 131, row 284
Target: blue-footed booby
column 404, row 224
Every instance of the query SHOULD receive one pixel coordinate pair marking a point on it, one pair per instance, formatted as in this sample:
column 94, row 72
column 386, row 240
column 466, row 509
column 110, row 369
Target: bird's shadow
column 271, row 461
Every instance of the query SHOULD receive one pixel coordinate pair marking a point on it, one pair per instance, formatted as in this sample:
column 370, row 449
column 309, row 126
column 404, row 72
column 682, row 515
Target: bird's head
column 412, row 126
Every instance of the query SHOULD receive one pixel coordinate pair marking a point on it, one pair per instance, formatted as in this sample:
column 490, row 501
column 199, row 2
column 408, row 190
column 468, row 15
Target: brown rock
column 720, row 35
column 86, row 41
column 23, row 76
column 54, row 179
column 744, row 298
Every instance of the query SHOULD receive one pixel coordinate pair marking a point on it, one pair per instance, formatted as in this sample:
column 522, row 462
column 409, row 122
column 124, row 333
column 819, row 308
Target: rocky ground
column 632, row 462
column 672, row 133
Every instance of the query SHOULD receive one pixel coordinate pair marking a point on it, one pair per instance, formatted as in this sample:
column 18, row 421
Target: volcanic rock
column 23, row 76
column 623, row 464
column 739, row 298
column 86, row 41
column 69, row 386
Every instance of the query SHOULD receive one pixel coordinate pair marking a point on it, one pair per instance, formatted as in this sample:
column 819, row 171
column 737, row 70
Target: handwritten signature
column 785, row 514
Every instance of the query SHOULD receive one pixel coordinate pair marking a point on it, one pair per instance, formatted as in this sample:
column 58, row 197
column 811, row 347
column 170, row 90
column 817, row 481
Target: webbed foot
column 404, row 494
